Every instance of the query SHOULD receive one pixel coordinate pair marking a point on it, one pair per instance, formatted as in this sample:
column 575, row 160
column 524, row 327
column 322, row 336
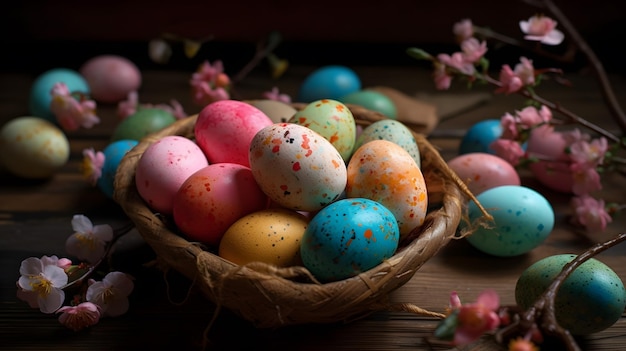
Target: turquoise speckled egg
column 331, row 119
column 372, row 100
column 391, row 130
column 479, row 137
column 590, row 300
column 113, row 155
column 142, row 123
column 40, row 98
column 329, row 82
column 348, row 237
column 523, row 219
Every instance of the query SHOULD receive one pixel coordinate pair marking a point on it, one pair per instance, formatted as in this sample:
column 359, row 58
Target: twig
column 263, row 49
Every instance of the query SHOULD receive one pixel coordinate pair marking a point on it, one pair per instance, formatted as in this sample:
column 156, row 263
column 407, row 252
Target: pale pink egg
column 111, row 77
column 481, row 171
column 162, row 169
column 547, row 144
column 224, row 130
column 215, row 197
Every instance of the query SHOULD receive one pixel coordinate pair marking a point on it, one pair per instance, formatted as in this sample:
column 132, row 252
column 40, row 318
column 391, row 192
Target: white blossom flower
column 88, row 242
column 111, row 294
column 41, row 284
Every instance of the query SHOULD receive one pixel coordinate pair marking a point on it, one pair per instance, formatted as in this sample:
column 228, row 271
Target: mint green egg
column 372, row 100
column 394, row 131
column 142, row 123
column 590, row 300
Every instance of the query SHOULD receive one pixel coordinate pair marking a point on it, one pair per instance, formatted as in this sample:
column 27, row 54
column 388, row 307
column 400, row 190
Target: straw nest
column 269, row 296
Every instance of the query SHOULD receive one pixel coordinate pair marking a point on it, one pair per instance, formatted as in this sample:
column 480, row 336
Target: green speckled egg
column 143, row 122
column 372, row 100
column 331, row 119
column 393, row 131
column 590, row 300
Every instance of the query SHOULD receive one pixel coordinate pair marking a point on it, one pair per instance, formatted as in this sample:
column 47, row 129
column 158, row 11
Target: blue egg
column 329, row 82
column 40, row 98
column 348, row 237
column 479, row 137
column 113, row 154
column 523, row 219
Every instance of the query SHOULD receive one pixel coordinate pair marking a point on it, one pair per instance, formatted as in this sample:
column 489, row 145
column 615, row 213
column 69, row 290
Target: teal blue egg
column 479, row 137
column 348, row 237
column 590, row 300
column 142, row 123
column 40, row 98
column 523, row 219
column 329, row 82
column 394, row 131
column 113, row 154
column 372, row 100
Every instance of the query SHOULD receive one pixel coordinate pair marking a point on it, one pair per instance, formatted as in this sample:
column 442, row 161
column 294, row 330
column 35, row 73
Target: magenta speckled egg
column 481, row 171
column 224, row 130
column 383, row 171
column 111, row 77
column 215, row 197
column 296, row 167
column 163, row 167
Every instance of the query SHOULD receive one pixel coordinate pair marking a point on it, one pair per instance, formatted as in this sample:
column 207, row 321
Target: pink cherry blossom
column 586, row 157
column 275, row 95
column 71, row 113
column 590, row 213
column 473, row 50
column 475, row 319
column 509, row 150
column 529, row 117
column 209, row 83
column 510, row 82
column 92, row 165
column 131, row 105
column 543, row 29
column 463, row 30
column 509, row 126
column 441, row 77
column 42, row 282
column 457, row 61
column 88, row 242
column 80, row 316
column 111, row 294
column 525, row 71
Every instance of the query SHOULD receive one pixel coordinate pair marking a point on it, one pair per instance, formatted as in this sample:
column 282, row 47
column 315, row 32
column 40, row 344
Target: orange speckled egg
column 213, row 198
column 383, row 171
column 271, row 236
column 481, row 171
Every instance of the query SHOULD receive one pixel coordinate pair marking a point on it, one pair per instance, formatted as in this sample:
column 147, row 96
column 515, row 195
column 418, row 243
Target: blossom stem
column 117, row 233
column 263, row 49
column 595, row 63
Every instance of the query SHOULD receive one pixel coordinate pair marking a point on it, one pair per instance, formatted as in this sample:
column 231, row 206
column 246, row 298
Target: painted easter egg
column 383, row 171
column 332, row 120
column 111, row 77
column 373, row 101
column 142, row 123
column 113, row 155
column 394, row 131
column 40, row 97
column 590, row 300
column 296, row 167
column 481, row 171
column 479, row 137
column 224, row 130
column 348, row 237
column 522, row 220
column 329, row 82
column 278, row 112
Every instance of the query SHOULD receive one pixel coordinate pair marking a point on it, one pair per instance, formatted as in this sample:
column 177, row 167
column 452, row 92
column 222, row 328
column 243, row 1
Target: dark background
column 39, row 35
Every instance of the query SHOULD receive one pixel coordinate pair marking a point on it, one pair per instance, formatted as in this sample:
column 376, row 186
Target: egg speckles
column 590, row 300
column 348, row 237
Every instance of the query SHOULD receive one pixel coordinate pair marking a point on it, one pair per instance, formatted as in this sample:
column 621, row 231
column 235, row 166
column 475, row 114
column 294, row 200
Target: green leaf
column 419, row 54
column 446, row 328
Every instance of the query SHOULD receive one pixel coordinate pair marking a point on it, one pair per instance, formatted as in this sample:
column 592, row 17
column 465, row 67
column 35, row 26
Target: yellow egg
column 271, row 236
column 32, row 147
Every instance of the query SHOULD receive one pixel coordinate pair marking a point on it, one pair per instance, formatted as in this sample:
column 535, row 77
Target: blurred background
column 39, row 34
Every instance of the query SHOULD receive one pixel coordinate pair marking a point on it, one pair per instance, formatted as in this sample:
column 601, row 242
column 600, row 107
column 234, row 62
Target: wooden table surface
column 165, row 314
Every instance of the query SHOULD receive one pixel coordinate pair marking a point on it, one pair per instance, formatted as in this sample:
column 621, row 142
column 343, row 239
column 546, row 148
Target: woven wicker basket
column 272, row 297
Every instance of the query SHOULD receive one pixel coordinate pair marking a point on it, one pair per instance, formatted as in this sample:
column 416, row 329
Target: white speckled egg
column 481, row 171
column 394, row 131
column 163, row 167
column 331, row 119
column 32, row 147
column 296, row 167
column 383, row 171
column 590, row 300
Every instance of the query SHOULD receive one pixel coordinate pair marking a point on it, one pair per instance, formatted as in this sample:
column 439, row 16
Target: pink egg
column 547, row 144
column 111, row 77
column 481, row 171
column 214, row 198
column 163, row 168
column 224, row 130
